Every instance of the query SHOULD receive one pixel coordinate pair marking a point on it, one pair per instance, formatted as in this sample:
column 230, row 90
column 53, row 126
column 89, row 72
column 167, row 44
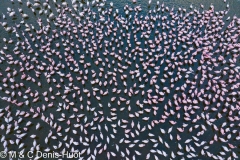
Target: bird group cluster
column 87, row 77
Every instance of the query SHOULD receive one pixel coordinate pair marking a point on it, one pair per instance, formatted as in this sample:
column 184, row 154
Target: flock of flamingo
column 118, row 83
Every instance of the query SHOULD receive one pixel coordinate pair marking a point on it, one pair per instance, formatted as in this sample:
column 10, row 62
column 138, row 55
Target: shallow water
column 44, row 130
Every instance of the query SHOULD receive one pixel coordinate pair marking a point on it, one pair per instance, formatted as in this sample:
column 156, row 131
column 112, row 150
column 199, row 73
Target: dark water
column 45, row 127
